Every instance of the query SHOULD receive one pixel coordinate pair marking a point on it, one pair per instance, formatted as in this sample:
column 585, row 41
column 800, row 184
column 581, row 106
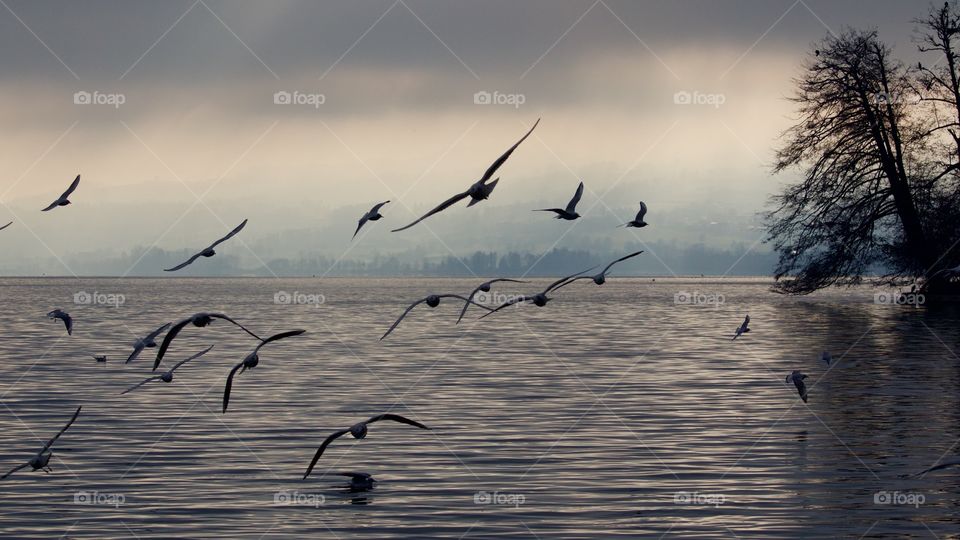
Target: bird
column 570, row 212
column 825, row 356
column 5, row 226
column 742, row 329
column 479, row 190
column 167, row 376
column 433, row 301
column 251, row 361
column 638, row 221
column 208, row 251
column 797, row 379
column 62, row 200
column 372, row 215
column 359, row 481
column 943, row 465
column 198, row 319
column 63, row 316
column 41, row 461
column 484, row 287
column 601, row 278
column 147, row 342
column 359, row 431
column 539, row 299
column 100, row 357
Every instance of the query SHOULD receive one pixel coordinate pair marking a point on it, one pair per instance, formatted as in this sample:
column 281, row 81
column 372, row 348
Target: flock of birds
column 477, row 192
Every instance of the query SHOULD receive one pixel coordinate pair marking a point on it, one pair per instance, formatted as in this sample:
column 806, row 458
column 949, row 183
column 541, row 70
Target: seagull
column 62, row 200
column 63, row 316
column 570, row 212
column 359, row 431
column 359, row 481
column 638, row 221
column 943, row 465
column 372, row 215
column 825, row 356
column 433, row 301
column 797, row 379
column 540, row 299
column 198, row 319
column 251, row 362
column 167, row 376
column 485, row 287
column 100, row 357
column 601, row 278
column 208, row 251
column 742, row 329
column 5, row 226
column 480, row 190
column 41, row 461
column 147, row 342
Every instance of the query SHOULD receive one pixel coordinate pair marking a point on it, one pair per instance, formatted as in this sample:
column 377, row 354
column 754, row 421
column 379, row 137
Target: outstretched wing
column 316, row 457
column 153, row 335
column 59, row 433
column 73, row 186
column 443, row 206
column 278, row 337
column 377, row 207
column 5, row 226
column 188, row 262
column 68, row 323
column 224, row 317
column 474, row 292
column 360, row 224
column 943, row 465
column 569, row 281
column 13, row 470
column 230, row 234
column 502, row 159
column 607, row 269
column 508, row 303
column 167, row 339
column 642, row 212
column 413, row 305
column 198, row 355
column 563, row 281
column 572, row 205
column 139, row 384
column 226, row 389
column 396, row 418
column 137, row 349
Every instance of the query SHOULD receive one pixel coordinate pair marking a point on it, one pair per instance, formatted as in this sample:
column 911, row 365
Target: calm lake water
column 612, row 412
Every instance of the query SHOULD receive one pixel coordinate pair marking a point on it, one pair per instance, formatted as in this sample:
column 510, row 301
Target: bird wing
column 13, row 470
column 316, row 457
column 377, row 207
column 153, row 335
column 466, row 300
column 413, row 305
column 642, row 212
column 137, row 349
column 278, row 337
column 68, row 323
column 73, row 186
column 183, row 264
column 59, row 433
column 801, row 387
column 443, row 206
column 508, row 303
column 53, row 205
column 561, row 282
column 569, row 281
column 167, row 339
column 607, row 269
column 224, row 317
column 230, row 234
column 198, row 355
column 572, row 205
column 360, row 224
column 5, row 226
column 470, row 300
column 141, row 383
column 502, row 159
column 943, row 465
column 396, row 418
column 229, row 386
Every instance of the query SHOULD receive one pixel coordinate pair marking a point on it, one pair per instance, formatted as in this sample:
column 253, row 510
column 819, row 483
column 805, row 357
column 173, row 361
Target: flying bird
column 359, row 481
column 601, row 278
column 372, row 215
column 539, row 299
column 941, row 466
column 359, row 431
column 41, row 461
column 480, row 190
column 146, row 342
column 484, row 287
column 63, row 316
column 62, row 200
column 638, row 221
column 797, row 379
column 5, row 226
column 208, row 251
column 433, row 301
column 199, row 320
column 826, row 358
column 251, row 361
column 742, row 329
column 570, row 212
column 167, row 376
column 100, row 358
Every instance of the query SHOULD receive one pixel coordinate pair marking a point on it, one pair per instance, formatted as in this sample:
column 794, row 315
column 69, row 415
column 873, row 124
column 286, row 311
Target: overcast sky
column 198, row 142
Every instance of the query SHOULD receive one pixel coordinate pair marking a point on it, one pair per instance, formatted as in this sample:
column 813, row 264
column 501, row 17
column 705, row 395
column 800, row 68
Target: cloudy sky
column 184, row 138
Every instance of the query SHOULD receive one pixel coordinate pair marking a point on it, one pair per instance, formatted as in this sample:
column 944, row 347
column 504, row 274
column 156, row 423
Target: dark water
column 612, row 412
